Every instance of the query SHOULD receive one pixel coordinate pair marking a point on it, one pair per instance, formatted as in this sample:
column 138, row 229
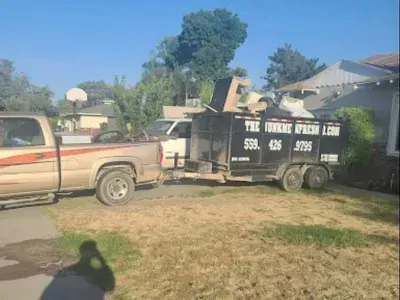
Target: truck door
column 181, row 144
column 28, row 162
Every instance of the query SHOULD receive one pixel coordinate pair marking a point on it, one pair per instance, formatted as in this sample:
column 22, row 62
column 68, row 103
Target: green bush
column 103, row 127
column 361, row 133
column 206, row 91
column 53, row 123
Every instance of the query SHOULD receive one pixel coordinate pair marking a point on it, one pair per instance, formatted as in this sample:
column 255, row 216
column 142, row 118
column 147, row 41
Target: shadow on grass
column 100, row 257
column 69, row 283
column 375, row 210
column 324, row 236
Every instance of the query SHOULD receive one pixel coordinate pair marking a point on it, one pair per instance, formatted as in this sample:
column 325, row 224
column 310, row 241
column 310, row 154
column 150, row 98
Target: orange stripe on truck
column 31, row 157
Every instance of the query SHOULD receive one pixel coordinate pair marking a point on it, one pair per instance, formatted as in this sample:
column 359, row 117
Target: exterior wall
column 379, row 98
column 92, row 121
column 112, row 124
column 382, row 172
column 69, row 124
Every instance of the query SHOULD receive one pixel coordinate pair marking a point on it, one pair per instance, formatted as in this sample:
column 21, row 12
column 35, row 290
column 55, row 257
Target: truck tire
column 292, row 180
column 115, row 188
column 315, row 177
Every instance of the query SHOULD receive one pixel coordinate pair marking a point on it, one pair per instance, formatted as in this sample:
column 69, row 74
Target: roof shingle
column 388, row 61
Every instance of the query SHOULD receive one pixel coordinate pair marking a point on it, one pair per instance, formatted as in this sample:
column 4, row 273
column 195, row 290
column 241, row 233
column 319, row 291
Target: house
column 91, row 118
column 372, row 82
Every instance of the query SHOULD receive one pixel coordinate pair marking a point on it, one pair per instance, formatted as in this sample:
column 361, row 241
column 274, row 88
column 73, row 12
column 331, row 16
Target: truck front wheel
column 292, row 180
column 115, row 188
column 316, row 177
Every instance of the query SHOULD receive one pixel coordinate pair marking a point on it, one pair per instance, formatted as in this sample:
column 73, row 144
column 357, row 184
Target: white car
column 179, row 131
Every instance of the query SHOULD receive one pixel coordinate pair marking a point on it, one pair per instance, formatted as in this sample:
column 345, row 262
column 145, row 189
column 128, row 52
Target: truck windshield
column 159, row 127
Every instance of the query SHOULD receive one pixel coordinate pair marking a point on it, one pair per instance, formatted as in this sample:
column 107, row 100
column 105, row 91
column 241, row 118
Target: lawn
column 252, row 243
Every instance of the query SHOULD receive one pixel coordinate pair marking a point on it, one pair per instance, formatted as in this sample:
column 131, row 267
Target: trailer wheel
column 315, row 177
column 292, row 180
column 115, row 188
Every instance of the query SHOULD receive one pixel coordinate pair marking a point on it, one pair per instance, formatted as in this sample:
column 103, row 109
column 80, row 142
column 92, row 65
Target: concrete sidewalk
column 27, row 279
column 21, row 224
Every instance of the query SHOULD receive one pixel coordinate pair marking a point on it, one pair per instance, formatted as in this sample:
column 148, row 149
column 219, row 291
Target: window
column 393, row 141
column 20, row 132
column 159, row 127
column 182, row 130
column 325, row 116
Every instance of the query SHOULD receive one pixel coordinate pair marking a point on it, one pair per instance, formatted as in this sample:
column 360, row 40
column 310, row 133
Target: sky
column 62, row 43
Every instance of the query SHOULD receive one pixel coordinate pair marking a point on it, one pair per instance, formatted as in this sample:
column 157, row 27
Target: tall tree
column 18, row 94
column 97, row 91
column 239, row 72
column 208, row 42
column 287, row 66
column 141, row 104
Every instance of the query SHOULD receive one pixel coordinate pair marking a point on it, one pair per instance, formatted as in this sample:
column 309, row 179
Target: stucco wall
column 379, row 98
column 112, row 124
column 92, row 121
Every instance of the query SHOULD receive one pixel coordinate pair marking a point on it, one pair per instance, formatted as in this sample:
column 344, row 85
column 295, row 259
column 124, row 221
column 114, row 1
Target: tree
column 18, row 94
column 206, row 91
column 97, row 91
column 141, row 104
column 208, row 42
column 287, row 66
column 166, row 51
column 239, row 72
column 64, row 106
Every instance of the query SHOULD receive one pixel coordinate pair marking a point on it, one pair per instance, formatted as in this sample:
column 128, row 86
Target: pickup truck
column 35, row 165
column 174, row 134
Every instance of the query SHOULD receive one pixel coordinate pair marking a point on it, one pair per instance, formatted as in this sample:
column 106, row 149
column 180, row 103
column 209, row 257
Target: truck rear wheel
column 292, row 180
column 315, row 177
column 115, row 188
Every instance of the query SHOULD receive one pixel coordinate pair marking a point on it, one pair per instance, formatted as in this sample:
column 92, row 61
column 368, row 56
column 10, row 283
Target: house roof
column 388, row 61
column 390, row 78
column 104, row 109
column 341, row 73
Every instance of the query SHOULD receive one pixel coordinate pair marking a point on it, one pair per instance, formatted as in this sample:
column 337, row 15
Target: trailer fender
column 303, row 168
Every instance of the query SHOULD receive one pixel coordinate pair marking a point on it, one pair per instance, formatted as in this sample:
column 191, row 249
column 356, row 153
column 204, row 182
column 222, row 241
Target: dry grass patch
column 216, row 246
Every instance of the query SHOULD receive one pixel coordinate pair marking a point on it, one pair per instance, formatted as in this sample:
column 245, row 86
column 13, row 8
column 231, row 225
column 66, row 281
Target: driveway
column 27, row 263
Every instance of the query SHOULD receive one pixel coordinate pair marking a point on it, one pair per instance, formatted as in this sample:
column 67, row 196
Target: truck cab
column 177, row 133
column 34, row 165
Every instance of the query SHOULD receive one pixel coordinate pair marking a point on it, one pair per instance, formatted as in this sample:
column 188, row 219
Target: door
column 27, row 160
column 180, row 143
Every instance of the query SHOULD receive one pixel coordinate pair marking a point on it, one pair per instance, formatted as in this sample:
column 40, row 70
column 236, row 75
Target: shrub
column 361, row 133
column 53, row 123
column 103, row 127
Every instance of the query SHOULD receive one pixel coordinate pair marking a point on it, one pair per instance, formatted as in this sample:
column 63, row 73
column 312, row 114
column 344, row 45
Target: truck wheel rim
column 293, row 181
column 117, row 188
column 319, row 178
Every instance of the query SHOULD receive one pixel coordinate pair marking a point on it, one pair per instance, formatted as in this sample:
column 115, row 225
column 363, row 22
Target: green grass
column 266, row 190
column 206, row 193
column 111, row 245
column 323, row 236
column 100, row 256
